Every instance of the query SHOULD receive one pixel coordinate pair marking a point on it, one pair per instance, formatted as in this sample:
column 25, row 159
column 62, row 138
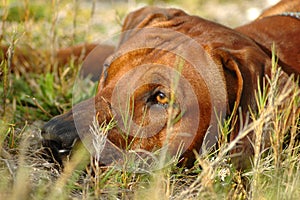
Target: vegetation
column 29, row 99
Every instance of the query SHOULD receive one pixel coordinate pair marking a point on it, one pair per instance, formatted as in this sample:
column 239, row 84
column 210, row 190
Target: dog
column 218, row 70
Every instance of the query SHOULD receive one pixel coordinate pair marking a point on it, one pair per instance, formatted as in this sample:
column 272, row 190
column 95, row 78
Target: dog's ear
column 244, row 70
column 146, row 17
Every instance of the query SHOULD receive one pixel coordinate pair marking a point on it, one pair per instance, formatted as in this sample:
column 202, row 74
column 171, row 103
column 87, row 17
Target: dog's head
column 170, row 80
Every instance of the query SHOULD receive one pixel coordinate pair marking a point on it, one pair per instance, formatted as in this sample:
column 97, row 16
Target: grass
column 30, row 99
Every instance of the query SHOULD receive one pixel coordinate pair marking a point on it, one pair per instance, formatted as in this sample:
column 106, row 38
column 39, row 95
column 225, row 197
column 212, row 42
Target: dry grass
column 29, row 99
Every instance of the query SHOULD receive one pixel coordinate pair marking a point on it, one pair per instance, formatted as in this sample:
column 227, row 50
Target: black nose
column 59, row 135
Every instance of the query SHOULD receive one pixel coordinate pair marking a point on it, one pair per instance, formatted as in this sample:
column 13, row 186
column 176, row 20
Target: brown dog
column 170, row 76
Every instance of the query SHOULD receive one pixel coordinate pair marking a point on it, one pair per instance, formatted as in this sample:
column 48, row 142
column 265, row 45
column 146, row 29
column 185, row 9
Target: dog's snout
column 61, row 132
column 59, row 135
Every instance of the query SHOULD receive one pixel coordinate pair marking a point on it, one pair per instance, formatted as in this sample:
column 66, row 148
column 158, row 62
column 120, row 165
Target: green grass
column 28, row 100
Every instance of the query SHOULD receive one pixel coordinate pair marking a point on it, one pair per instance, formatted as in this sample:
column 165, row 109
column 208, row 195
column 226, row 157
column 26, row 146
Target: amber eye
column 162, row 98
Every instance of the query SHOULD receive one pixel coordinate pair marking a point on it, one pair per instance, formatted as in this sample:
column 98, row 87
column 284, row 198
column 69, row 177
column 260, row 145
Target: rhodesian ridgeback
column 171, row 77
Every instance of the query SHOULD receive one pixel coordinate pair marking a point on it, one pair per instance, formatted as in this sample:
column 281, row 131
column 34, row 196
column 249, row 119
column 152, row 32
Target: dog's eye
column 162, row 98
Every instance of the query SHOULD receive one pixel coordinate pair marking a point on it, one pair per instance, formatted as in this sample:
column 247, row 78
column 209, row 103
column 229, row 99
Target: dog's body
column 146, row 62
column 283, row 32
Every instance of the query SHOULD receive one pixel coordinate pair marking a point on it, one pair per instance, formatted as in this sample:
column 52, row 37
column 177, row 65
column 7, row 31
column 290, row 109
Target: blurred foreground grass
column 32, row 98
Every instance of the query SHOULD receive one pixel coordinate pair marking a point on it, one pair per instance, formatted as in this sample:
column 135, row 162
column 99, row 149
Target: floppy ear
column 243, row 69
column 146, row 17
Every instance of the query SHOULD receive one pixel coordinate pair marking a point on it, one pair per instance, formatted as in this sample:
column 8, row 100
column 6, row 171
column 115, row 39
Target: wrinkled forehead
column 160, row 39
column 158, row 45
column 166, row 47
